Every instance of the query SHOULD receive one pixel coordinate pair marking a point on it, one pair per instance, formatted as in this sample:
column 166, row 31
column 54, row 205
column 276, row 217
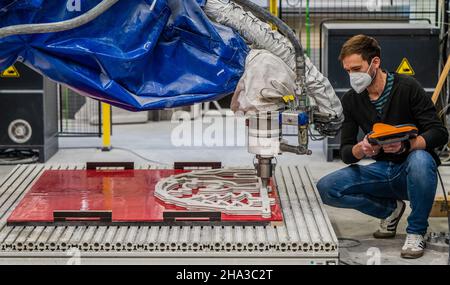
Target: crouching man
column 403, row 170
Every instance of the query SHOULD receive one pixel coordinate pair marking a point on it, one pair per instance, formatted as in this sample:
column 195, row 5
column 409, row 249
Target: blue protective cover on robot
column 139, row 55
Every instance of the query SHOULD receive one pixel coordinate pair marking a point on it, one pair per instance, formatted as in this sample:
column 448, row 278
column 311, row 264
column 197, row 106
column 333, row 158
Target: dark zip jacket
column 408, row 103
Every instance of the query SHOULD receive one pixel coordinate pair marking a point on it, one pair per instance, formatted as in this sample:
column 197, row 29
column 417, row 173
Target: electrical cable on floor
column 355, row 244
column 355, row 241
column 18, row 156
column 140, row 156
column 447, row 209
column 122, row 149
column 341, row 262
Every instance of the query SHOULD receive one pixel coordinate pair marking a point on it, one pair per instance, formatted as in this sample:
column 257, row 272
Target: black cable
column 315, row 137
column 18, row 156
column 122, row 149
column 357, row 242
column 447, row 209
column 140, row 156
column 341, row 262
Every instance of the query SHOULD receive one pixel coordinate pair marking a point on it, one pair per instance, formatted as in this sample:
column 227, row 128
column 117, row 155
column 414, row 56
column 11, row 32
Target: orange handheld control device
column 386, row 134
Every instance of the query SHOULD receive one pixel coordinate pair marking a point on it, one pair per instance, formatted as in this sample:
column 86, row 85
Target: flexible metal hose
column 259, row 34
column 286, row 31
column 58, row 26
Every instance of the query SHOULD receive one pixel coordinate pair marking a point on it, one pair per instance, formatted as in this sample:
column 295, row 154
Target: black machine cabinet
column 411, row 48
column 29, row 113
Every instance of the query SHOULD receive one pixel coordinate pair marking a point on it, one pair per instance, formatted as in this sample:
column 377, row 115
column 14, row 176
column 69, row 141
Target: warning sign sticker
column 405, row 68
column 10, row 72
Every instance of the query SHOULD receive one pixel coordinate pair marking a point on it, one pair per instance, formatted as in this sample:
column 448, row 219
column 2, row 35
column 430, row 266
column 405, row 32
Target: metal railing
column 308, row 16
column 79, row 116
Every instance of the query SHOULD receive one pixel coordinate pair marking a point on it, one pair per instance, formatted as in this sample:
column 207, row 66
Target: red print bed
column 113, row 197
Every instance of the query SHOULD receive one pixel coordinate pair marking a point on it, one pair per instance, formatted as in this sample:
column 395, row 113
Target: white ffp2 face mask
column 361, row 80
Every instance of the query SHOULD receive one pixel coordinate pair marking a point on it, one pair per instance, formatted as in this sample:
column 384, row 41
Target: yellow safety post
column 106, row 127
column 273, row 7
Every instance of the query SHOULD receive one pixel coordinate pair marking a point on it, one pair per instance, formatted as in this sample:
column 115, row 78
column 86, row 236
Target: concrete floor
column 153, row 141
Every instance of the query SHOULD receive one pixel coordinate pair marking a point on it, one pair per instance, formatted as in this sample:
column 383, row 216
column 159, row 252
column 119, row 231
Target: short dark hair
column 363, row 45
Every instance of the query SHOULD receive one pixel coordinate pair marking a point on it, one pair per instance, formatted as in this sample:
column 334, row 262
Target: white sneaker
column 388, row 226
column 414, row 246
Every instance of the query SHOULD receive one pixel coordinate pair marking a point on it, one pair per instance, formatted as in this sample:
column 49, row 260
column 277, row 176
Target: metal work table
column 305, row 237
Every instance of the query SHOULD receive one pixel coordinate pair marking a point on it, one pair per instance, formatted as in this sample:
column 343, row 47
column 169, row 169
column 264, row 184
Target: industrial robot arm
column 310, row 88
column 319, row 92
column 280, row 85
column 288, row 80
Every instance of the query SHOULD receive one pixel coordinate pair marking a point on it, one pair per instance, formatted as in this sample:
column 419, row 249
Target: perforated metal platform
column 305, row 237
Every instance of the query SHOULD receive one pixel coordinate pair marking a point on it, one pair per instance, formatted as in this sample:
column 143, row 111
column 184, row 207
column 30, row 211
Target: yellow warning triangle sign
column 10, row 72
column 405, row 68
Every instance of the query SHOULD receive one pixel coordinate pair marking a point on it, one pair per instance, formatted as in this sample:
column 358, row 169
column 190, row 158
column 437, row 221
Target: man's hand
column 393, row 147
column 369, row 149
column 365, row 149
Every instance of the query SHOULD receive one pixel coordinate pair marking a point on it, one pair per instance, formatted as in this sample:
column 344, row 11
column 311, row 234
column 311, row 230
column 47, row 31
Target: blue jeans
column 373, row 189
